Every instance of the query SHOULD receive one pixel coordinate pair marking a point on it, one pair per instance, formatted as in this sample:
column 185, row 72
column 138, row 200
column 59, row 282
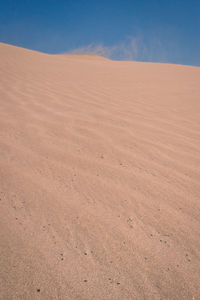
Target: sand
column 99, row 178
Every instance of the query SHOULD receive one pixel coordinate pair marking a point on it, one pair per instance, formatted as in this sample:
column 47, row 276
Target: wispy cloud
column 134, row 48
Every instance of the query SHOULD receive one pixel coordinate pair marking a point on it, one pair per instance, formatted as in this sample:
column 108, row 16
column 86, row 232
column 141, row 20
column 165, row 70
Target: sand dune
column 84, row 56
column 99, row 178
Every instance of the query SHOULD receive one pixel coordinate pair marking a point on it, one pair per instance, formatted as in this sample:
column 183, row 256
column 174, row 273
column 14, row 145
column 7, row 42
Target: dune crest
column 99, row 178
column 83, row 56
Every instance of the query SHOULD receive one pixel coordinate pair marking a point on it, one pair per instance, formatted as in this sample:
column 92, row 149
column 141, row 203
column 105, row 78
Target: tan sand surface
column 99, row 178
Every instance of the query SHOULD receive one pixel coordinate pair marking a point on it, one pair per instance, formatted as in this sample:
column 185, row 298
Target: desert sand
column 99, row 178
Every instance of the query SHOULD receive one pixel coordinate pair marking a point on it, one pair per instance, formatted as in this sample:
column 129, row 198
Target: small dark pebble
column 118, row 283
column 85, row 253
column 62, row 258
column 111, row 261
column 85, row 280
column 161, row 241
column 109, row 278
column 38, row 290
column 151, row 234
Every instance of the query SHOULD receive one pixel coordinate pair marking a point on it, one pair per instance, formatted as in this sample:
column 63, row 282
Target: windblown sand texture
column 99, row 178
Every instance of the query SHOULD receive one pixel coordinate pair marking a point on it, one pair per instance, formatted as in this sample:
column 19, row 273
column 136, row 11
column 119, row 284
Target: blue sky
column 144, row 30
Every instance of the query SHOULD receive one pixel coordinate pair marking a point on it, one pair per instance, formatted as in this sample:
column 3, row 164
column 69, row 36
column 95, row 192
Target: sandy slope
column 99, row 178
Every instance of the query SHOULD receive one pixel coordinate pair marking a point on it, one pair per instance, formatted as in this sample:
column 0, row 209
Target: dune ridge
column 83, row 56
column 99, row 178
